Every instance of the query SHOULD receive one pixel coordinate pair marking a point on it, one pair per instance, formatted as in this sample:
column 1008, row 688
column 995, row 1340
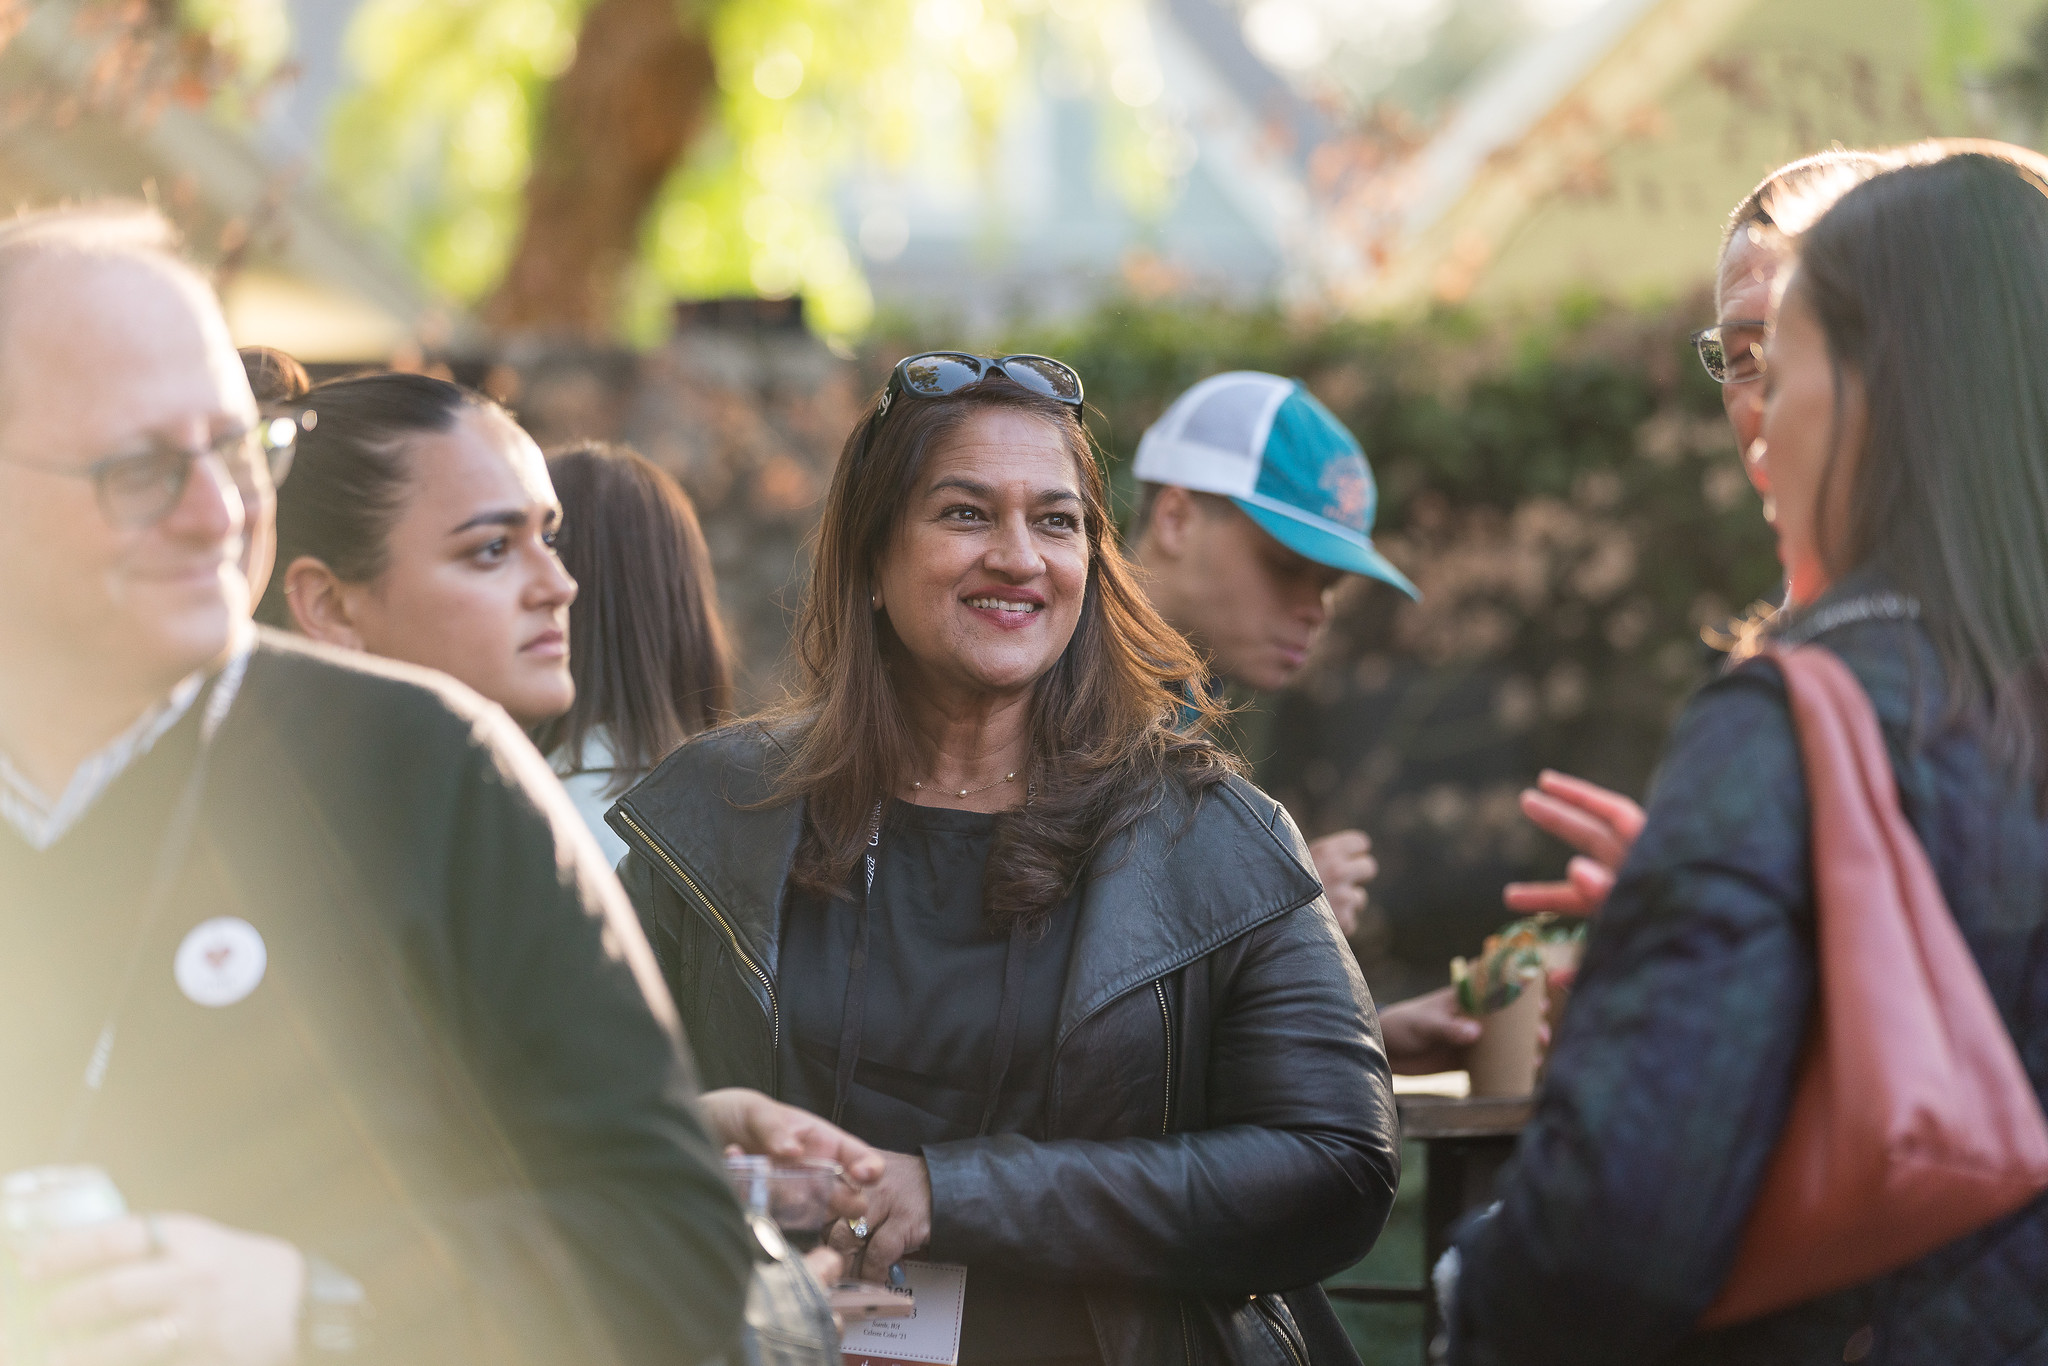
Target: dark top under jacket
column 1218, row 1128
column 933, row 986
column 458, row 1078
column 1675, row 1063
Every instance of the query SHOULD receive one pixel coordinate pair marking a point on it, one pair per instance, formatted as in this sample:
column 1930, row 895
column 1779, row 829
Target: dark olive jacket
column 455, row 1074
column 1219, row 1104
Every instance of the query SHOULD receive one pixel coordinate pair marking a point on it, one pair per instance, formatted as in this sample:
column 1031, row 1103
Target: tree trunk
column 617, row 121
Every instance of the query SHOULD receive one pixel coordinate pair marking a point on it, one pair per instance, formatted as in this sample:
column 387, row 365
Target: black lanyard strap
column 171, row 854
column 853, row 1011
column 1006, row 1025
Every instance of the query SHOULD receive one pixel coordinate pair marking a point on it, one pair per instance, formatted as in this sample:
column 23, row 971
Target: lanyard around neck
column 171, row 853
column 853, row 1013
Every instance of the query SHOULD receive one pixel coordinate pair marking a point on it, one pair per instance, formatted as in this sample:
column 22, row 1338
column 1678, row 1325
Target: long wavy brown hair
column 1119, row 721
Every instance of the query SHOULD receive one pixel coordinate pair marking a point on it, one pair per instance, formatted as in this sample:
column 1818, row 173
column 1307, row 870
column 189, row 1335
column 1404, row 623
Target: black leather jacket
column 1224, row 1126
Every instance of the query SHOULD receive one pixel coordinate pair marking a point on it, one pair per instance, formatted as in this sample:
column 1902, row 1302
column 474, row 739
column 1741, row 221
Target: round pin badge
column 220, row 962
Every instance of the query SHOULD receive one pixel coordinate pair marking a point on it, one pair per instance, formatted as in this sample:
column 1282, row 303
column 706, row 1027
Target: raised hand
column 1600, row 824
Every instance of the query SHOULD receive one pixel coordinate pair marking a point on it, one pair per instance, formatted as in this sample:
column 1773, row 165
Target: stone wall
column 749, row 415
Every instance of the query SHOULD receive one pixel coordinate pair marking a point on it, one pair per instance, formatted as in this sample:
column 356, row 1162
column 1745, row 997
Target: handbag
column 1913, row 1121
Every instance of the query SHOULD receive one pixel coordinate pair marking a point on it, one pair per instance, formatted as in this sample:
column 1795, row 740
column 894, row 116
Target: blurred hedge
column 1564, row 491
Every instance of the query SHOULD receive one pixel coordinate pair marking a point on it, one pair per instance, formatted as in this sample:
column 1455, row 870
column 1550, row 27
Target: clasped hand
column 168, row 1288
column 899, row 1218
column 748, row 1122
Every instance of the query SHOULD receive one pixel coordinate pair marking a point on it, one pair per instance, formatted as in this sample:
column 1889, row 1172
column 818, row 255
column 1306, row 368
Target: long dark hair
column 1931, row 283
column 349, row 474
column 1116, row 719
column 647, row 647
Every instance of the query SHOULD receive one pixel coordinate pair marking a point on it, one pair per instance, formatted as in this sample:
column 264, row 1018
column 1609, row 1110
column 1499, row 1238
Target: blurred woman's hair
column 1931, row 284
column 274, row 377
column 1119, row 717
column 349, row 474
column 647, row 647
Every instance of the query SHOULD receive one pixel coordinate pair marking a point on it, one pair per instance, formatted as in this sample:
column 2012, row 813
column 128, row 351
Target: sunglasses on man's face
column 935, row 374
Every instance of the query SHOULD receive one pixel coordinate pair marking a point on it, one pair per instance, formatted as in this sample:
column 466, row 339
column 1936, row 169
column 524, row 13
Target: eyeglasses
column 935, row 374
column 1733, row 352
column 137, row 491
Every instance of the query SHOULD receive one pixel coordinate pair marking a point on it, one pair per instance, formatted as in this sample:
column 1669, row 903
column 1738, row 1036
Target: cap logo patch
column 1348, row 493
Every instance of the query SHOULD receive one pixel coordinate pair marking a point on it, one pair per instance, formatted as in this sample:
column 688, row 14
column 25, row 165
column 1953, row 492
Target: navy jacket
column 1675, row 1065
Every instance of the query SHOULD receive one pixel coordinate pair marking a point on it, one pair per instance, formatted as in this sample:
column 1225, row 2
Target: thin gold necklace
column 970, row 791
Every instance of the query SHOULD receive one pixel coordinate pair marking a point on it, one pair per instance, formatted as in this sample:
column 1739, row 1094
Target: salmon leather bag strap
column 1912, row 1122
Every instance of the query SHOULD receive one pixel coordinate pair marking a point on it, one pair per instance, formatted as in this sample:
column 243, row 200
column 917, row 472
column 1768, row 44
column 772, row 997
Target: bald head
column 96, row 298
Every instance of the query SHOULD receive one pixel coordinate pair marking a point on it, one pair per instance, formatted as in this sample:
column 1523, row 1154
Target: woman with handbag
column 981, row 897
column 1906, row 433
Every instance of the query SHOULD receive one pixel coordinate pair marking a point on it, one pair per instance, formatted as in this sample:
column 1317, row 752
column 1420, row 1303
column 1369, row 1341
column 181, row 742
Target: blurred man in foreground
column 306, row 953
column 1256, row 503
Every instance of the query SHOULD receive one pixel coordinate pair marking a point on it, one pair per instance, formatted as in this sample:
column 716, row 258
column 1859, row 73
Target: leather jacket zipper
column 1278, row 1328
column 725, row 926
column 1166, row 1018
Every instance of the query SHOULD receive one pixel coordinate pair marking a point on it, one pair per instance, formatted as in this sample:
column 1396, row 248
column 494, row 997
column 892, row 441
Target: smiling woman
column 420, row 526
column 982, row 895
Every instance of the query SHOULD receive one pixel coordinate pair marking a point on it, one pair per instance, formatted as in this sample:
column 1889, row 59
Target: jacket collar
column 1172, row 888
column 707, row 808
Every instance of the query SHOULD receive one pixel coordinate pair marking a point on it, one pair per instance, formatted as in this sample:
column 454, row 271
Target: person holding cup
column 980, row 895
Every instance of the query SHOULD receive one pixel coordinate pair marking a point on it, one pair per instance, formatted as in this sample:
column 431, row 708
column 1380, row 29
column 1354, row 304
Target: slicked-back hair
column 1930, row 282
column 1119, row 717
column 351, row 472
column 647, row 648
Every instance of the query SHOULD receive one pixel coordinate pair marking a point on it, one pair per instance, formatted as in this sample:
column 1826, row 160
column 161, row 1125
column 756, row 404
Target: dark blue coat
column 1674, row 1068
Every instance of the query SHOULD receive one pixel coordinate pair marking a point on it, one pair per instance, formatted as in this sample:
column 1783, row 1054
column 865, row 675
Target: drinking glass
column 796, row 1197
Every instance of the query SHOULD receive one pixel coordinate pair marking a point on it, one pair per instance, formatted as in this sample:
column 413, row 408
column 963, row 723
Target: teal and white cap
column 1266, row 444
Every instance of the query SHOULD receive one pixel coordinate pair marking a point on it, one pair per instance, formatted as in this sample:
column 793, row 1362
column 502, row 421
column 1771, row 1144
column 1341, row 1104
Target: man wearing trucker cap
column 1255, row 503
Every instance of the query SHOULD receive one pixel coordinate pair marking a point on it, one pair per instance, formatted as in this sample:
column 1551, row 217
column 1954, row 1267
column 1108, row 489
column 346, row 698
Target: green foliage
column 435, row 145
column 436, row 142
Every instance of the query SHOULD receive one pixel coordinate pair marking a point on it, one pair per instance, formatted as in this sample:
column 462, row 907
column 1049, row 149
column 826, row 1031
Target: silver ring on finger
column 859, row 1228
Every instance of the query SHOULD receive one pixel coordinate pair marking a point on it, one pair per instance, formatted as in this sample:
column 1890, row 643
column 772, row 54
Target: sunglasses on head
column 935, row 374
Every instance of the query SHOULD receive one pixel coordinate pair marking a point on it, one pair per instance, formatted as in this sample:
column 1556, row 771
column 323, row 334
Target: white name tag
column 930, row 1336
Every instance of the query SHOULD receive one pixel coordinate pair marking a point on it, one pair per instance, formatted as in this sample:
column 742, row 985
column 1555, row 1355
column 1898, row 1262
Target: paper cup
column 1505, row 1060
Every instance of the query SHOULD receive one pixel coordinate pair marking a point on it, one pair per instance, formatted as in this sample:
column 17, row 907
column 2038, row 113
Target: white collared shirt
column 42, row 820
